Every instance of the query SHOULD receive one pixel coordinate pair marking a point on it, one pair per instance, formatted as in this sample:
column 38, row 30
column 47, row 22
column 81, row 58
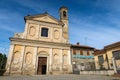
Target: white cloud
column 8, row 28
column 98, row 34
column 111, row 5
column 100, row 29
column 10, row 20
column 4, row 50
column 9, row 15
column 37, row 6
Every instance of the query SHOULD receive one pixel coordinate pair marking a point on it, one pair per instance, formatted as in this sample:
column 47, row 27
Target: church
column 43, row 47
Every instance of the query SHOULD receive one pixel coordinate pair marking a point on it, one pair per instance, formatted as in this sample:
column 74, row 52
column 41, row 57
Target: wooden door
column 42, row 65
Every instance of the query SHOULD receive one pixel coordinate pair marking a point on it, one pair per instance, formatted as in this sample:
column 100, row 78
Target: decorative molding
column 45, row 23
column 16, row 57
column 32, row 31
column 28, row 58
column 37, row 42
column 56, row 34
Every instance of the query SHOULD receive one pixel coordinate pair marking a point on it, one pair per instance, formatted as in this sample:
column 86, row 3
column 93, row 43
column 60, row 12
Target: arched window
column 64, row 14
column 65, row 59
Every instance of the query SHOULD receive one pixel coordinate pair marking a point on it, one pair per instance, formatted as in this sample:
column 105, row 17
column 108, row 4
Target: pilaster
column 69, row 57
column 61, row 60
column 22, row 57
column 47, row 64
column 51, row 55
column 9, row 60
column 37, row 32
column 25, row 32
column 70, row 62
column 35, row 59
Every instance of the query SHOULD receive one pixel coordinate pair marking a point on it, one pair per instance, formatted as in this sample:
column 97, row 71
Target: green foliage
column 3, row 60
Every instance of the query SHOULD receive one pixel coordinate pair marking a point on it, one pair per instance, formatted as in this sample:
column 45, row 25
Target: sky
column 94, row 23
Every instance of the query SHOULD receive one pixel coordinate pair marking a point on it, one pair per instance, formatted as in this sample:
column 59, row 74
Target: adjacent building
column 104, row 58
column 82, row 57
column 43, row 47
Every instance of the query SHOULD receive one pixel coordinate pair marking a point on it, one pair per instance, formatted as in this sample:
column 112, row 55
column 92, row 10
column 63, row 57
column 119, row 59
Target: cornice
column 12, row 39
column 44, row 14
column 43, row 22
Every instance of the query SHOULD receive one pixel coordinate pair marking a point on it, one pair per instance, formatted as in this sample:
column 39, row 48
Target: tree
column 3, row 60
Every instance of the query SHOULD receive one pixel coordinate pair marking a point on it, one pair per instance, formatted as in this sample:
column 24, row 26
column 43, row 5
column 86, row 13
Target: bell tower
column 64, row 18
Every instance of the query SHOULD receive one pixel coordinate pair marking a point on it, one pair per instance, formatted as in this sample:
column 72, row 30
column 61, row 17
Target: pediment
column 44, row 17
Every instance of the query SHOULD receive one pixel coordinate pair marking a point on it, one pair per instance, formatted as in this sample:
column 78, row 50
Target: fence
column 98, row 67
column 101, row 72
column 94, row 65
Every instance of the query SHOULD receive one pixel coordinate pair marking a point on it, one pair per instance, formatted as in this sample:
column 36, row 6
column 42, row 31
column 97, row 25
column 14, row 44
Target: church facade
column 43, row 47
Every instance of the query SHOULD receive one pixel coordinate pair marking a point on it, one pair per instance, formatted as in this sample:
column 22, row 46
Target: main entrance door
column 42, row 65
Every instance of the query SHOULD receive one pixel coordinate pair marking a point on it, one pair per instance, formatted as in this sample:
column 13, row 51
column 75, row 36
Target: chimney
column 78, row 43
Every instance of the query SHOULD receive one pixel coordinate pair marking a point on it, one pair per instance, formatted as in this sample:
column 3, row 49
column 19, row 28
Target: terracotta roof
column 97, row 52
column 103, row 51
column 81, row 46
column 112, row 45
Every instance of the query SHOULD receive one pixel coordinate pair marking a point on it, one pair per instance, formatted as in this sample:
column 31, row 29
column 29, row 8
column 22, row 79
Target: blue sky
column 94, row 23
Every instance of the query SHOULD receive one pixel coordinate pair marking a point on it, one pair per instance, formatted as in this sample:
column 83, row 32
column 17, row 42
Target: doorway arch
column 42, row 63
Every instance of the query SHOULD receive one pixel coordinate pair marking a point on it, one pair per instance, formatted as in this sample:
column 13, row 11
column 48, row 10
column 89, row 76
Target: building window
column 44, row 32
column 116, row 54
column 81, row 52
column 64, row 13
column 74, row 51
column 88, row 53
column 100, row 58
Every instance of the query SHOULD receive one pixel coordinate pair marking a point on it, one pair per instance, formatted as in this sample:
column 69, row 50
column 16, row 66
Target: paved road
column 59, row 77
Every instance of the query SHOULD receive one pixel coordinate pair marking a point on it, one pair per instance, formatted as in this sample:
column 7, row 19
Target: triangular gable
column 44, row 17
